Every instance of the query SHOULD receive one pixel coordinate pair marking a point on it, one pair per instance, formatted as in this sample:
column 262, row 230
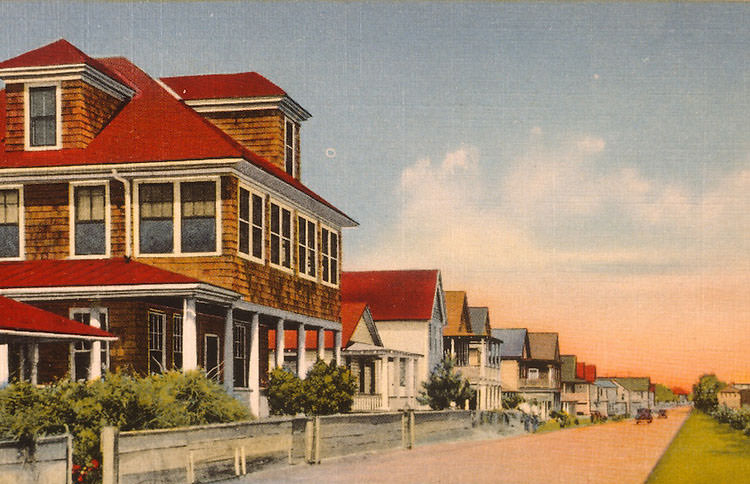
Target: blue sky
column 573, row 166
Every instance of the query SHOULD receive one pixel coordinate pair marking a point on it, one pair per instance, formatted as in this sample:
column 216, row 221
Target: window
column 251, row 224
column 306, row 247
column 43, row 116
column 90, row 233
column 533, row 373
column 82, row 349
column 10, row 225
column 290, row 152
column 240, row 355
column 211, row 356
column 281, row 236
column 156, row 361
column 198, row 216
column 329, row 253
column 176, row 341
column 402, row 372
column 156, row 227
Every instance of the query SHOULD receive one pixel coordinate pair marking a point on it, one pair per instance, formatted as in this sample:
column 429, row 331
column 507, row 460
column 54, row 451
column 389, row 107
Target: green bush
column 705, row 392
column 285, row 393
column 327, row 389
column 512, row 400
column 562, row 418
column 445, row 386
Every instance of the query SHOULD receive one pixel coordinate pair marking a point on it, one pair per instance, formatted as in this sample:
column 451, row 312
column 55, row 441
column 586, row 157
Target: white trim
column 292, row 234
column 27, row 116
column 288, row 316
column 263, row 197
column 42, row 334
column 21, row 223
column 176, row 216
column 285, row 104
column 107, row 219
column 338, row 256
column 68, row 72
column 316, row 224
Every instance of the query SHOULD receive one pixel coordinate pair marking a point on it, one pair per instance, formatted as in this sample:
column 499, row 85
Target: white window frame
column 292, row 235
column 295, row 130
column 27, row 115
column 298, row 245
column 536, row 373
column 337, row 258
column 105, row 362
column 21, row 223
column 249, row 255
column 72, row 219
column 177, row 216
column 163, row 340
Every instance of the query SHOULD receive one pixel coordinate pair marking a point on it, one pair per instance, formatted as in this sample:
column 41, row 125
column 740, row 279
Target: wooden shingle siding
column 14, row 121
column 46, row 224
column 259, row 131
column 117, row 201
column 85, row 111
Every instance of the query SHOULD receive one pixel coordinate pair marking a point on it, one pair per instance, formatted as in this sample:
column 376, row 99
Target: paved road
column 620, row 453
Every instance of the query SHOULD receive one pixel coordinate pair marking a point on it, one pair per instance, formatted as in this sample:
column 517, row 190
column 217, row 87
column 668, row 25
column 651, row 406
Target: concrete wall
column 52, row 462
column 442, row 425
column 354, row 434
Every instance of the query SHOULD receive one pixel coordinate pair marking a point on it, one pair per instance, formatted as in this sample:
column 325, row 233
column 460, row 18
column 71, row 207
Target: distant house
column 408, row 308
column 540, row 382
column 605, row 398
column 514, row 351
column 385, row 377
column 730, row 397
column 681, row 394
column 634, row 392
column 467, row 338
column 577, row 385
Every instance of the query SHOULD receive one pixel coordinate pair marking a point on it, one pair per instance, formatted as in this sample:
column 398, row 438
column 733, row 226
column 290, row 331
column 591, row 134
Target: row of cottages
column 467, row 338
column 531, row 368
column 166, row 213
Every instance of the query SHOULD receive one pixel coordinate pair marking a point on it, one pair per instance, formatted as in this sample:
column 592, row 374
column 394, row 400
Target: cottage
column 514, row 351
column 634, row 392
column 730, row 397
column 605, row 400
column 577, row 390
column 168, row 212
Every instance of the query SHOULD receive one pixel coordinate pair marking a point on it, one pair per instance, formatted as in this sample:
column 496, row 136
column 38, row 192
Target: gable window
column 156, row 362
column 329, row 254
column 43, row 116
column 90, row 234
column 306, row 247
column 290, row 152
column 198, row 216
column 177, row 341
column 281, row 236
column 156, row 209
column 10, row 223
column 251, row 224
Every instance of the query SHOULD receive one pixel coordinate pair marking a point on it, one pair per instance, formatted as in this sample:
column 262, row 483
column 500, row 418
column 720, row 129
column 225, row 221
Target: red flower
column 94, row 463
column 80, row 478
column 76, row 467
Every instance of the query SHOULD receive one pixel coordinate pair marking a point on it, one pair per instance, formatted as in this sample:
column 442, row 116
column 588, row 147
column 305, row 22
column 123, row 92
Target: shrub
column 562, row 418
column 445, row 386
column 705, row 392
column 512, row 400
column 285, row 393
column 328, row 389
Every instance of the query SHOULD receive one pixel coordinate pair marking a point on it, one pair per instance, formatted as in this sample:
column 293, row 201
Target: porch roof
column 18, row 319
column 363, row 349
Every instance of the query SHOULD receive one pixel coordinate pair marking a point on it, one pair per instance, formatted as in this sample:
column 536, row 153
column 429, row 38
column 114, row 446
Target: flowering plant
column 87, row 473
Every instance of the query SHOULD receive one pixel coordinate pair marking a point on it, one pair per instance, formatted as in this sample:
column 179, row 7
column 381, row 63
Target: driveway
column 621, row 452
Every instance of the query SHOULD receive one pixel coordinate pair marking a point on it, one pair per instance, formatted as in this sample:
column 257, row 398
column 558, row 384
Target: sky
column 578, row 168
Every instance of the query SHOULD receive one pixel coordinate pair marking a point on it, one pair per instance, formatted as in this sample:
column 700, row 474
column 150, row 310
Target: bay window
column 251, row 224
column 281, row 236
column 329, row 254
column 198, row 216
column 10, row 223
column 306, row 247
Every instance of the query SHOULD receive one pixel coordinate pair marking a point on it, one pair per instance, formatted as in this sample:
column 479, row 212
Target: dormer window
column 290, row 152
column 43, row 117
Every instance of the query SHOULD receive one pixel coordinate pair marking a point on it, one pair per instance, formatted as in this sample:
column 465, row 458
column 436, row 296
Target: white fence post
column 110, row 455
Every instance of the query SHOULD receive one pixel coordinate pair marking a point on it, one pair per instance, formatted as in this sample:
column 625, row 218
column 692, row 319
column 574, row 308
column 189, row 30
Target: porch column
column 482, row 358
column 280, row 343
column 34, row 362
column 410, row 380
column 384, row 382
column 301, row 340
column 229, row 350
column 189, row 335
column 4, row 367
column 321, row 343
column 21, row 362
column 95, row 368
column 337, row 347
column 253, row 373
column 453, row 348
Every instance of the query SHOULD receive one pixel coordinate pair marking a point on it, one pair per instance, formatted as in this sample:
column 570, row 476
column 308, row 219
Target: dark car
column 662, row 413
column 644, row 415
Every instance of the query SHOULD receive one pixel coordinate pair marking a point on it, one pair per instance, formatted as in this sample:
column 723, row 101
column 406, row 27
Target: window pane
column 257, row 242
column 156, row 200
column 244, row 205
column 156, row 226
column 257, row 210
column 286, row 224
column 198, row 235
column 198, row 199
column 42, row 116
column 90, row 238
column 244, row 237
column 156, row 236
column 9, row 240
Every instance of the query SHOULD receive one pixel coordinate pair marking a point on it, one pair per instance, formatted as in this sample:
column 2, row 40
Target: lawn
column 552, row 424
column 704, row 451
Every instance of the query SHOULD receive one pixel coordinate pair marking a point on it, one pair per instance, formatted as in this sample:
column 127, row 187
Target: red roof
column 680, row 391
column 580, row 370
column 351, row 313
column 17, row 316
column 153, row 126
column 589, row 373
column 221, row 86
column 392, row 295
column 84, row 272
column 60, row 52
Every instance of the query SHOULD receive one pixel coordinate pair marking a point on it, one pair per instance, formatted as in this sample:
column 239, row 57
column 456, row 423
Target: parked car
column 644, row 415
column 662, row 413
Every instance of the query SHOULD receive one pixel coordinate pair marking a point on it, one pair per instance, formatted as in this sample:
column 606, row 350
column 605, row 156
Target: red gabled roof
column 17, row 316
column 680, row 391
column 351, row 313
column 84, row 272
column 60, row 52
column 222, row 86
column 392, row 295
column 153, row 126
column 590, row 373
column 580, row 370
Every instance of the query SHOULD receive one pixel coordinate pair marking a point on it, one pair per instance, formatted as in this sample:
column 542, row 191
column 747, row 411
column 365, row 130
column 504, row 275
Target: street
column 622, row 452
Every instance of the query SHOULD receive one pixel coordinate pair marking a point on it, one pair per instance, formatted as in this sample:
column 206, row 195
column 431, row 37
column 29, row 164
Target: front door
column 81, row 350
column 212, row 356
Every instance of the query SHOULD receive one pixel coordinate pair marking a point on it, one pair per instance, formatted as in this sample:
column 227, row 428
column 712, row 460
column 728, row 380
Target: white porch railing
column 366, row 402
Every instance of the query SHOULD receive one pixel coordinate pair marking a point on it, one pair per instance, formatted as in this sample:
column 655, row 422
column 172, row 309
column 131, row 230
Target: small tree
column 705, row 392
column 444, row 386
column 285, row 393
column 328, row 389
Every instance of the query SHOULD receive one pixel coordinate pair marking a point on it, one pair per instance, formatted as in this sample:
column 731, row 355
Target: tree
column 445, row 386
column 705, row 392
column 328, row 389
column 663, row 394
